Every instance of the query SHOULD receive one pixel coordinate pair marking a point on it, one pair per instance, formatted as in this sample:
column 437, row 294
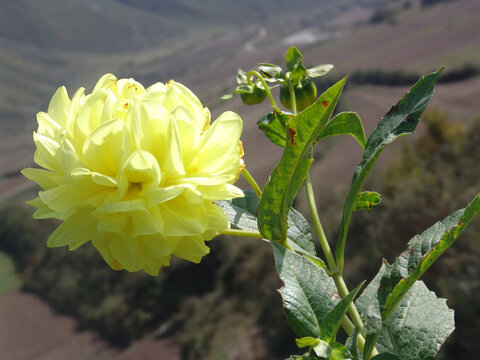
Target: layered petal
column 135, row 171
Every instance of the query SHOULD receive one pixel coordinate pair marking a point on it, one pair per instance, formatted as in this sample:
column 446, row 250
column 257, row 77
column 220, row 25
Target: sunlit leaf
column 289, row 174
column 402, row 119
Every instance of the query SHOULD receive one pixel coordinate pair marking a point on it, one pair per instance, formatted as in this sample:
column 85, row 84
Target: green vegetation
column 8, row 277
column 419, row 188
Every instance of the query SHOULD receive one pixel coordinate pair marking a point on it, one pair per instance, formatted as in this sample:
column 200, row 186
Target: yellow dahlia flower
column 135, row 171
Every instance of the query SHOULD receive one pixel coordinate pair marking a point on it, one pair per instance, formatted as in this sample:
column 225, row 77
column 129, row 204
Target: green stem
column 267, row 89
column 337, row 276
column 318, row 225
column 241, row 233
column 252, row 182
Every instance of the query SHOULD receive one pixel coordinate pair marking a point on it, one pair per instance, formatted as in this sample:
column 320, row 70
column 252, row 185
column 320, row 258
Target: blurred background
column 59, row 305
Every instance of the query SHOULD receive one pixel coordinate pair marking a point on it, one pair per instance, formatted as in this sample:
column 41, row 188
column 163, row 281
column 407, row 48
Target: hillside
column 72, row 43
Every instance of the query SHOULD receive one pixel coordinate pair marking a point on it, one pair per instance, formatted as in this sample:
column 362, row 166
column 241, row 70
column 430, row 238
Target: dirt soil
column 31, row 330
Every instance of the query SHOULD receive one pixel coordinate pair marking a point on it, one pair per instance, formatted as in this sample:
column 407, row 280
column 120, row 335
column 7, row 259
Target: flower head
column 135, row 171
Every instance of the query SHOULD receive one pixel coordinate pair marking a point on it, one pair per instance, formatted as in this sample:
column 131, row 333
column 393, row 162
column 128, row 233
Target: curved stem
column 241, row 233
column 252, row 182
column 267, row 89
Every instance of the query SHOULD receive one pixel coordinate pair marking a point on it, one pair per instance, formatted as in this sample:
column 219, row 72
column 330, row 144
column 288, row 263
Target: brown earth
column 36, row 332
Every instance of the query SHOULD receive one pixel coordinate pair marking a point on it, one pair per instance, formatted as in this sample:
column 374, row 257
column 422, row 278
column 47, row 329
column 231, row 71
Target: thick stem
column 252, row 182
column 265, row 85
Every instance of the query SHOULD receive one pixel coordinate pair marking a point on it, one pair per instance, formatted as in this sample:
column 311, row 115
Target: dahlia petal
column 161, row 194
column 220, row 192
column 48, row 127
column 219, row 142
column 142, row 167
column 107, row 82
column 47, row 154
column 102, row 150
column 191, row 249
column 217, row 220
column 88, row 117
column 109, row 107
column 158, row 246
column 78, row 100
column 182, row 219
column 61, row 198
column 45, row 178
column 58, row 107
column 102, row 244
column 126, row 252
column 153, row 266
column 74, row 231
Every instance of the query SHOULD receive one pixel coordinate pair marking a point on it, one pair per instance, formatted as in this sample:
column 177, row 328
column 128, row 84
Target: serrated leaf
column 401, row 120
column 319, row 70
column 332, row 321
column 386, row 356
column 289, row 174
column 393, row 281
column 308, row 293
column 345, row 123
column 273, row 125
column 366, row 200
column 417, row 327
column 241, row 212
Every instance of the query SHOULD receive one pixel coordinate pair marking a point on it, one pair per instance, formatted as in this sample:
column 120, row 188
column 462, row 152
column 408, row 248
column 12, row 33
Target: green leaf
column 289, row 174
column 386, row 356
column 351, row 344
column 393, row 282
column 273, row 125
column 366, row 200
column 417, row 327
column 345, row 123
column 271, row 72
column 241, row 77
column 339, row 352
column 227, row 96
column 308, row 293
column 306, row 341
column 401, row 120
column 319, row 70
column 332, row 321
column 322, row 349
column 294, row 60
column 241, row 212
column 243, row 89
